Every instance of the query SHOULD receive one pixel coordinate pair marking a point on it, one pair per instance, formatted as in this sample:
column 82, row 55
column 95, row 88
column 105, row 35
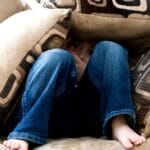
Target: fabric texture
column 8, row 8
column 88, row 143
column 141, row 93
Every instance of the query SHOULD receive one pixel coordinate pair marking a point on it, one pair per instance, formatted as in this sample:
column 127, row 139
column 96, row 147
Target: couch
column 114, row 16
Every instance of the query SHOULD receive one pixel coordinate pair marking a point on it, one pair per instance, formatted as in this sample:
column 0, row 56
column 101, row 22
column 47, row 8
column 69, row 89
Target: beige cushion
column 85, row 143
column 96, row 27
column 123, row 21
column 88, row 143
column 141, row 93
column 9, row 7
column 23, row 36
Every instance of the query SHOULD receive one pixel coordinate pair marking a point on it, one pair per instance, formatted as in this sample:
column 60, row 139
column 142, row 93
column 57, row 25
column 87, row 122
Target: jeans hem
column 27, row 137
column 129, row 112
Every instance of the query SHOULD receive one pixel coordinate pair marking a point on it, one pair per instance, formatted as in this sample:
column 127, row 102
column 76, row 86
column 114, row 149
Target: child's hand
column 80, row 64
column 81, row 53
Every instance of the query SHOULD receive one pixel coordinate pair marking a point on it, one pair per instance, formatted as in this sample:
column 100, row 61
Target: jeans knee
column 52, row 57
column 111, row 48
column 56, row 52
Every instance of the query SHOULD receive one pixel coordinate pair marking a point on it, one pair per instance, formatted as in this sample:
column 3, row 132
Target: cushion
column 141, row 93
column 84, row 143
column 8, row 8
column 96, row 27
column 23, row 38
column 88, row 143
column 95, row 20
column 100, row 6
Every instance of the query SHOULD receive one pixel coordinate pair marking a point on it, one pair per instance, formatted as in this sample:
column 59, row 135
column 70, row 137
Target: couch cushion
column 8, row 8
column 122, row 21
column 88, row 143
column 96, row 27
column 141, row 93
column 23, row 38
column 85, row 143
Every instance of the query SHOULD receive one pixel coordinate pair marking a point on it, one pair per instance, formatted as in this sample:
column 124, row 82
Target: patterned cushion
column 95, row 27
column 141, row 93
column 123, row 7
column 111, row 19
column 23, row 38
column 83, row 143
column 120, row 20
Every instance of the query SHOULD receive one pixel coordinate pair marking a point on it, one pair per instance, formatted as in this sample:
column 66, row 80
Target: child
column 58, row 72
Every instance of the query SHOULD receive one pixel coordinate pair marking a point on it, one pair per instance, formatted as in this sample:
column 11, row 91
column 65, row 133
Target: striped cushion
column 141, row 93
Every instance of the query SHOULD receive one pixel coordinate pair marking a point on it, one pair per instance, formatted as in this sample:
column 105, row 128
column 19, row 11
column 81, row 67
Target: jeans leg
column 108, row 70
column 52, row 73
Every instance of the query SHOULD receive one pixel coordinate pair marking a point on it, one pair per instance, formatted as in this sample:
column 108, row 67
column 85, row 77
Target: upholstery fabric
column 88, row 143
column 141, row 93
column 9, row 7
column 94, row 27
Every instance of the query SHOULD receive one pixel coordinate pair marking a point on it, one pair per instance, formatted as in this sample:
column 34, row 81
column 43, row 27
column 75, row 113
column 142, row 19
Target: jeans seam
column 116, row 113
column 28, row 137
column 24, row 104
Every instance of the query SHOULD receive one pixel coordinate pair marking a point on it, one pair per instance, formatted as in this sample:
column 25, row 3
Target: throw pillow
column 141, row 93
column 8, row 8
column 23, row 37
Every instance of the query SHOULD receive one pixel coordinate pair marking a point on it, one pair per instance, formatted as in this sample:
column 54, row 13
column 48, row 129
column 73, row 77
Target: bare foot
column 123, row 133
column 15, row 144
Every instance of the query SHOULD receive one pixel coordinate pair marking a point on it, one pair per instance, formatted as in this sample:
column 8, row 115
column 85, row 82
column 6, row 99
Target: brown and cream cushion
column 23, row 37
column 141, row 93
column 119, row 20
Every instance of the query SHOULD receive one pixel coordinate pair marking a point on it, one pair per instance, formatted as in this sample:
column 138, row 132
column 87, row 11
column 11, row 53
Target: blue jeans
column 54, row 104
